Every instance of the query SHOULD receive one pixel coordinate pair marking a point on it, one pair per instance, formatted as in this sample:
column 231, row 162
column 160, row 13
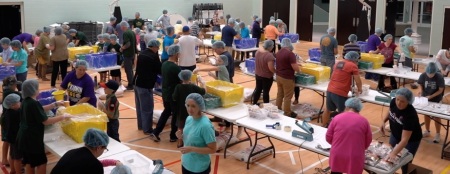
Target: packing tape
column 287, row 128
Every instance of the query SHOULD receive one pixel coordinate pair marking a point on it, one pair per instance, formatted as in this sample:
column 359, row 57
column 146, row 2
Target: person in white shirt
column 187, row 44
column 443, row 61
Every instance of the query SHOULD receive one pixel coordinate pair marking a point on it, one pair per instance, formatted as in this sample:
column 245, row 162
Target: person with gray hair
column 79, row 85
column 352, row 45
column 7, row 50
column 407, row 47
column 110, row 27
column 220, row 49
column 350, row 122
column 164, row 21
column 30, row 137
column 169, row 73
column 187, row 59
column 328, row 47
column 148, row 67
column 264, row 71
column 432, row 86
column 286, row 67
column 228, row 35
column 138, row 22
column 59, row 57
column 256, row 32
column 404, row 124
column 42, row 53
column 129, row 51
column 271, row 33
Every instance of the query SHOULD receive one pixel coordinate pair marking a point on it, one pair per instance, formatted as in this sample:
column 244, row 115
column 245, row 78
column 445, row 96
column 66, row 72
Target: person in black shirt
column 114, row 47
column 404, row 124
column 10, row 122
column 84, row 159
column 9, row 86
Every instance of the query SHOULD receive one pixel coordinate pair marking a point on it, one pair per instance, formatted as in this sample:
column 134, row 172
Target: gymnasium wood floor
column 289, row 158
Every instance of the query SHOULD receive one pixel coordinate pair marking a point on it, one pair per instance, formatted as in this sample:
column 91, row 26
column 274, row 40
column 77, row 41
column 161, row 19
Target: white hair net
column 287, row 43
column 58, row 31
column 10, row 100
column 268, row 44
column 5, row 41
column 354, row 103
column 185, row 75
column 279, row 21
column 70, row 45
column 173, row 49
column 153, row 43
column 231, row 21
column 81, row 63
column 197, row 98
column 95, row 138
column 352, row 38
column 405, row 92
column 218, row 44
column 258, row 19
column 112, row 19
column 431, row 68
column 121, row 169
column 30, row 88
column 331, row 30
column 378, row 31
column 16, row 44
column 352, row 55
column 272, row 22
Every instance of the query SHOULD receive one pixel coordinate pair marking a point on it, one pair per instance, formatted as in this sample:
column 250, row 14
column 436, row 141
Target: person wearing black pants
column 264, row 71
column 256, row 32
column 262, row 85
column 296, row 94
column 381, row 85
column 58, row 66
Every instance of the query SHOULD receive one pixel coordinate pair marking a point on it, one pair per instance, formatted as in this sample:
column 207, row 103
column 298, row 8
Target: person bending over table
column 79, row 37
column 432, row 85
column 350, row 135
column 404, row 125
column 198, row 137
column 387, row 50
column 443, row 61
column 341, row 83
column 30, row 138
column 220, row 67
column 79, row 85
column 264, row 70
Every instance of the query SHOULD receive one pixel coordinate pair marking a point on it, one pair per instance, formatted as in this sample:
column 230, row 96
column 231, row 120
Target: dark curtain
column 363, row 30
column 118, row 15
column 10, row 21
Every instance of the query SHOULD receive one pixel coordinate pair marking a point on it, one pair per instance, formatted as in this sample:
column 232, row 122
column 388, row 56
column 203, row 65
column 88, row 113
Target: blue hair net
column 218, row 44
column 150, row 27
column 354, row 103
column 30, row 88
column 331, row 30
column 95, row 138
column 124, row 24
column 16, row 44
column 268, row 44
column 378, row 31
column 121, row 169
column 258, row 19
column 100, row 36
column 197, row 99
column 431, row 68
column 58, row 31
column 242, row 24
column 387, row 37
column 405, row 92
column 106, row 36
column 173, row 49
column 112, row 19
column 5, row 41
column 70, row 45
column 352, row 38
column 408, row 31
column 153, row 43
column 38, row 32
column 47, row 29
column 224, row 59
column 185, row 75
column 10, row 100
column 352, row 55
column 272, row 22
column 231, row 21
column 81, row 63
column 286, row 42
column 72, row 31
column 112, row 37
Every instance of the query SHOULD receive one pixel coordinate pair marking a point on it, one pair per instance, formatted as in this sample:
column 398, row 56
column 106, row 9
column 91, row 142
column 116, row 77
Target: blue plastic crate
column 47, row 101
column 6, row 71
column 314, row 54
column 245, row 43
column 45, row 94
column 101, row 60
column 292, row 36
column 362, row 46
column 158, row 83
column 250, row 65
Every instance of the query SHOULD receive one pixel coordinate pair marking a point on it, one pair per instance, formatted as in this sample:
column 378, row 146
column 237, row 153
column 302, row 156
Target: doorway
column 305, row 11
column 446, row 31
column 10, row 20
column 278, row 9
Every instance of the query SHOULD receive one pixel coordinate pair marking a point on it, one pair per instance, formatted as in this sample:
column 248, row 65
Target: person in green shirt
column 30, row 138
column 222, row 72
column 79, row 37
column 138, row 22
column 169, row 72
column 179, row 95
column 128, row 50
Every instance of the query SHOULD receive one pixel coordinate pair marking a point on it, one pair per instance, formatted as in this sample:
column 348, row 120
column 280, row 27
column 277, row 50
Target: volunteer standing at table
column 42, row 53
column 328, row 48
column 264, row 70
column 341, row 83
column 350, row 135
column 407, row 47
column 443, row 61
column 59, row 56
column 228, row 35
column 219, row 48
column 373, row 42
column 198, row 137
column 271, row 33
column 256, row 31
column 10, row 85
column 404, row 125
column 432, row 85
column 30, row 138
column 351, row 46
column 19, row 60
column 79, row 85
column 7, row 50
column 187, row 54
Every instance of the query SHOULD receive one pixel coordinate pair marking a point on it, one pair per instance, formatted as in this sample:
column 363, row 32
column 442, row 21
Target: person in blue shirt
column 245, row 33
column 228, row 35
column 169, row 39
column 328, row 47
column 256, row 32
column 198, row 137
column 19, row 59
column 6, row 48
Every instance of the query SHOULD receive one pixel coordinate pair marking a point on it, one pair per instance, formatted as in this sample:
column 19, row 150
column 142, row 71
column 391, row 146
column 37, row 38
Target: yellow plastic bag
column 88, row 117
column 321, row 73
column 230, row 94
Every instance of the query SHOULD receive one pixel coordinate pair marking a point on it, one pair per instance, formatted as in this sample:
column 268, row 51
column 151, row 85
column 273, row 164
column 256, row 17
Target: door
column 277, row 8
column 10, row 21
column 348, row 13
column 305, row 11
column 283, row 7
column 446, row 31
column 391, row 15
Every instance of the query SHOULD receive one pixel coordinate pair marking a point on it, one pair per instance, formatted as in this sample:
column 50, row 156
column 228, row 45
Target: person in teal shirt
column 245, row 33
column 407, row 47
column 169, row 39
column 19, row 59
column 198, row 137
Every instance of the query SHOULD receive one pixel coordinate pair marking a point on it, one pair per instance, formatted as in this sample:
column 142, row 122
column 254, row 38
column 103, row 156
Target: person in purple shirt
column 79, row 85
column 373, row 41
column 25, row 39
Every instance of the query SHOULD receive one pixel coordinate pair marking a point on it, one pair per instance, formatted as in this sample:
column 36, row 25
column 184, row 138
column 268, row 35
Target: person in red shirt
column 344, row 72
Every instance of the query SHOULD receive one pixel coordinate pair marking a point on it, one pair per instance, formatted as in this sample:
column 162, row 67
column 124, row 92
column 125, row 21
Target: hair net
column 272, row 22
column 378, row 31
column 408, row 31
column 58, row 31
column 352, row 38
column 279, row 21
column 268, row 44
column 5, row 41
column 100, row 36
column 228, row 16
column 16, row 44
column 218, row 44
column 190, row 18
column 352, row 55
column 112, row 37
column 95, row 138
column 137, row 13
column 121, row 169
column 238, row 20
column 30, row 88
column 70, row 45
column 170, row 30
column 149, row 27
column 331, row 30
column 431, row 68
column 164, row 11
column 153, row 43
column 272, row 18
column 112, row 19
column 65, row 26
column 224, row 59
column 81, row 63
column 10, row 100
column 125, row 19
column 124, row 24
column 137, row 30
column 405, row 92
column 47, row 29
column 258, row 19
column 197, row 99
column 196, row 23
column 354, row 103
column 106, row 36
column 173, row 49
column 242, row 24
column 255, row 16
column 38, row 32
column 178, row 21
column 286, row 42
column 387, row 37
column 72, row 31
column 141, row 36
column 185, row 75
column 231, row 21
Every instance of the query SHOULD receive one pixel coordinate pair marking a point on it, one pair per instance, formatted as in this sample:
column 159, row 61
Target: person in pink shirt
column 36, row 38
column 349, row 135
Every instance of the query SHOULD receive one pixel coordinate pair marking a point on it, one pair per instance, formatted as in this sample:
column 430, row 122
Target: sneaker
column 155, row 138
column 426, row 133
column 437, row 138
column 293, row 115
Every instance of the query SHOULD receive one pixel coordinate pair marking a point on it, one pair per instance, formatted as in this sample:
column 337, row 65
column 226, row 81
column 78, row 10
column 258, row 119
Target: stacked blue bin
column 245, row 43
column 292, row 36
column 250, row 65
column 362, row 46
column 158, row 83
column 314, row 54
column 6, row 71
column 101, row 60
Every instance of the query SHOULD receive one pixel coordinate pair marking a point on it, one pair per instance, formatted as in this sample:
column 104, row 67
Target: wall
column 332, row 20
column 320, row 15
column 323, row 6
column 437, row 21
column 39, row 13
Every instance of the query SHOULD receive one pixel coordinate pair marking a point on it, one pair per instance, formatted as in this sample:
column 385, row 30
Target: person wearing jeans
column 147, row 68
column 58, row 46
column 128, row 50
column 256, row 32
column 264, row 70
column 328, row 48
column 387, row 49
